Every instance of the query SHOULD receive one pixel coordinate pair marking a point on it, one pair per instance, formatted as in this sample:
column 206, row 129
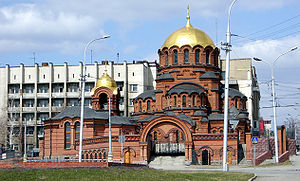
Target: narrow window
column 194, row 100
column 140, row 106
column 119, row 74
column 67, row 136
column 175, row 54
column 236, row 103
column 183, row 101
column 73, row 75
column 15, row 77
column 58, row 76
column 77, row 130
column 44, row 76
column 197, row 56
column 29, row 76
column 167, row 58
column 216, row 59
column 186, row 56
column 175, row 101
column 148, row 105
column 155, row 136
column 201, row 100
column 132, row 73
column 207, row 56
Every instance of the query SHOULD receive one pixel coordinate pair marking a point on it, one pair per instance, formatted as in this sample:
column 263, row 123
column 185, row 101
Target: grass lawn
column 116, row 173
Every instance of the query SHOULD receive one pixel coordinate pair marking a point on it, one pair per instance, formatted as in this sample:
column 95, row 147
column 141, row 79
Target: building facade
column 32, row 94
column 183, row 115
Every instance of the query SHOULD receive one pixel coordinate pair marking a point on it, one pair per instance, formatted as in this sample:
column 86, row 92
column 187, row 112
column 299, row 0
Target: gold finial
column 188, row 24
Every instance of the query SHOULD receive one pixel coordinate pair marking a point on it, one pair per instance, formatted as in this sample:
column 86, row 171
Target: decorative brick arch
column 205, row 147
column 229, row 148
column 162, row 119
column 130, row 149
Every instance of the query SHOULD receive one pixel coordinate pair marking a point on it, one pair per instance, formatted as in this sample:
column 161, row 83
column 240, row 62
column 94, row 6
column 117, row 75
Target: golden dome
column 188, row 35
column 106, row 81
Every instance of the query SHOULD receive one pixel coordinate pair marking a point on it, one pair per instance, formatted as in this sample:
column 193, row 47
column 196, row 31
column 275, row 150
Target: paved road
column 275, row 173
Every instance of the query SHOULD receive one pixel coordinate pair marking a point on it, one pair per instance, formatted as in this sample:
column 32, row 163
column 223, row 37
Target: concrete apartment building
column 32, row 94
column 243, row 77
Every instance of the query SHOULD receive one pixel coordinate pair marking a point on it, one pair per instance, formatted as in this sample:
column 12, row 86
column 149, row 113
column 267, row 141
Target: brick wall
column 284, row 157
column 14, row 163
column 292, row 146
column 261, row 158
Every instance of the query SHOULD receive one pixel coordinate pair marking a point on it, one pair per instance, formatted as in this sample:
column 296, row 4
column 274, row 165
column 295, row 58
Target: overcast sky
column 57, row 31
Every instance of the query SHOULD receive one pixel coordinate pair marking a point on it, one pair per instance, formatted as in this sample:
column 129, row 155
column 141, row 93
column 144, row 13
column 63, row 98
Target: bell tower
column 106, row 89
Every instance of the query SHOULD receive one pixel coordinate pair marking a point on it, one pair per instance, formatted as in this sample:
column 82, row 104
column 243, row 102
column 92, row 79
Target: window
column 121, row 100
column 207, row 56
column 89, row 86
column 43, row 88
column 140, row 106
column 73, row 87
column 15, row 77
column 29, row 147
column 28, row 102
column 58, row 102
column 131, row 102
column 197, row 56
column 186, row 56
column 194, row 100
column 29, row 89
column 216, row 59
column 29, row 131
column 28, row 117
column 72, row 102
column 77, row 130
column 58, row 76
column 67, row 135
column 43, row 103
column 14, row 89
column 148, row 106
column 167, row 58
column 119, row 74
column 183, row 101
column 44, row 76
column 132, row 73
column 120, row 85
column 88, row 102
column 15, row 103
column 175, row 101
column 43, row 116
column 58, row 88
column 73, row 75
column 175, row 57
column 133, row 87
column 29, row 76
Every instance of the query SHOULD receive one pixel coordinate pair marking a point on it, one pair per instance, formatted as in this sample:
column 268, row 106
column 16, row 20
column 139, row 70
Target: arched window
column 175, row 101
column 140, row 106
column 175, row 57
column 201, row 101
column 207, row 56
column 186, row 56
column 236, row 103
column 197, row 56
column 183, row 101
column 148, row 105
column 67, row 135
column 77, row 130
column 194, row 100
column 167, row 58
column 177, row 136
column 216, row 59
column 155, row 136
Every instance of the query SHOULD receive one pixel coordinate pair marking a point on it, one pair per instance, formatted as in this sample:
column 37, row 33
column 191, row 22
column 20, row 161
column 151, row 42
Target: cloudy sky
column 57, row 31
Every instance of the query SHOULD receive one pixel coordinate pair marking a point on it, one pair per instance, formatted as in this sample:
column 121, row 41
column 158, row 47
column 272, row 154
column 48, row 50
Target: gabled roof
column 74, row 112
column 185, row 88
column 209, row 75
column 147, row 94
column 233, row 93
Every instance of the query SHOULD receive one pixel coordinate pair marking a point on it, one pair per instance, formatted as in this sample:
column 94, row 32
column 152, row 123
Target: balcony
column 13, row 109
column 28, row 109
column 14, row 96
column 28, row 95
column 43, row 109
column 43, row 95
column 57, row 108
column 73, row 94
column 58, row 95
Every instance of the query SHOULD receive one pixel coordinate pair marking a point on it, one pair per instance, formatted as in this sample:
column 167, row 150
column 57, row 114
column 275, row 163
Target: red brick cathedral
column 183, row 116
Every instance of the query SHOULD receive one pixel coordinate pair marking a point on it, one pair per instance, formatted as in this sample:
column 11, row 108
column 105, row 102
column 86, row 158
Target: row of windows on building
column 59, row 87
column 28, row 116
column 175, row 102
column 187, row 57
column 45, row 102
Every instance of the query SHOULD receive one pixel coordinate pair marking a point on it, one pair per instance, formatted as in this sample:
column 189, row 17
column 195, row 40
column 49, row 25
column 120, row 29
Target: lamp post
column 227, row 49
column 274, row 98
column 82, row 93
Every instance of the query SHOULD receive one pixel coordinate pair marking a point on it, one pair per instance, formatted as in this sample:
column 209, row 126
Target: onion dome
column 106, row 81
column 188, row 35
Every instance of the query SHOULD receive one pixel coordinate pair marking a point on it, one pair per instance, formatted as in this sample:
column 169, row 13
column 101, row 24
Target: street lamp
column 274, row 98
column 83, row 91
column 227, row 63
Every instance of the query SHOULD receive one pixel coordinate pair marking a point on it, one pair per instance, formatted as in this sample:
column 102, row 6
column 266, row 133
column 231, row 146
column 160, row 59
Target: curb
column 253, row 178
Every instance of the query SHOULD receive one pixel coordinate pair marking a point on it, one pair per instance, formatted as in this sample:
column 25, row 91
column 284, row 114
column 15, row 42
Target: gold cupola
column 106, row 81
column 188, row 35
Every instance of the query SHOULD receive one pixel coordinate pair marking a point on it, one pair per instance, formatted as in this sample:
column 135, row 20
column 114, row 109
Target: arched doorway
column 205, row 157
column 103, row 101
column 128, row 157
